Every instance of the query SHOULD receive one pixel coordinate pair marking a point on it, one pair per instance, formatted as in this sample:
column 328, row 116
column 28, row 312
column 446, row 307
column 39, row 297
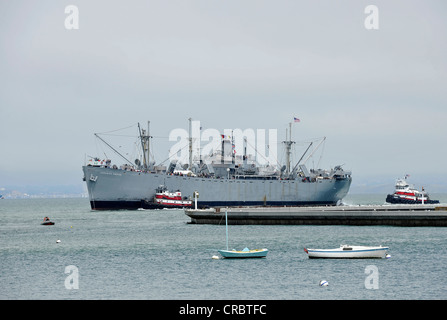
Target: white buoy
column 323, row 283
column 58, row 241
column 387, row 256
column 215, row 257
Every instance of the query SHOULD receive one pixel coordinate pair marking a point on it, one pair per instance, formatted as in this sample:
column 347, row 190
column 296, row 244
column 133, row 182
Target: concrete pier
column 391, row 215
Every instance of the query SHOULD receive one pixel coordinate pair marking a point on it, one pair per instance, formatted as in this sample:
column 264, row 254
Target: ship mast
column 288, row 144
column 148, row 142
column 190, row 144
column 145, row 145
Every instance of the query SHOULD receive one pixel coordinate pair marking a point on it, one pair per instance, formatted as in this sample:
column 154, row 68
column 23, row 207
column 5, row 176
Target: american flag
column 295, row 119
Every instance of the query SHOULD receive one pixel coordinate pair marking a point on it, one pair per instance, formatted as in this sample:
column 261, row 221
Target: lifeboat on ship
column 407, row 194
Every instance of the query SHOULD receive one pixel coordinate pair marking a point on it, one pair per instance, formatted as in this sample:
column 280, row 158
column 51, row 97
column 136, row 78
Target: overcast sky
column 379, row 96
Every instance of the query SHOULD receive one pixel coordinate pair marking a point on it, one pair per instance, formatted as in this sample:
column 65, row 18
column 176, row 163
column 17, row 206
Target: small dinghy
column 348, row 252
column 47, row 222
column 245, row 253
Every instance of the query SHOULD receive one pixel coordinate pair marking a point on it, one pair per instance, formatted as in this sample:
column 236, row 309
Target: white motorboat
column 348, row 252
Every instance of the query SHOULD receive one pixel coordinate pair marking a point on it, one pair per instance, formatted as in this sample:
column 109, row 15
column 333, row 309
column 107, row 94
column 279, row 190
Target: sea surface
column 151, row 254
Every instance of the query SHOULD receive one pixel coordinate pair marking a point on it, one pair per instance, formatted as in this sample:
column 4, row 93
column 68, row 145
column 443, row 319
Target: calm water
column 158, row 255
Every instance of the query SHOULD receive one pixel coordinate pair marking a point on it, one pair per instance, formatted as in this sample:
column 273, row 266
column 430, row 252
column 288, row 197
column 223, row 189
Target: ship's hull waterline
column 112, row 189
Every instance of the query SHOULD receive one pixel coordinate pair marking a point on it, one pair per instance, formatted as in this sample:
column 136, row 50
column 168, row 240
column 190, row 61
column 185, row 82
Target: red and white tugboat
column 166, row 199
column 407, row 194
column 170, row 199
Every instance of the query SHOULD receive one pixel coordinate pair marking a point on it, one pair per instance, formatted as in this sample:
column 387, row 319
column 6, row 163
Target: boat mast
column 288, row 144
column 148, row 141
column 233, row 155
column 143, row 142
column 190, row 144
column 145, row 145
column 226, row 227
column 245, row 151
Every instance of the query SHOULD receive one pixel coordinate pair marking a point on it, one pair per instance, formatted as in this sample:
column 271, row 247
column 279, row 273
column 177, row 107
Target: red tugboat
column 166, row 199
column 170, row 199
column 407, row 194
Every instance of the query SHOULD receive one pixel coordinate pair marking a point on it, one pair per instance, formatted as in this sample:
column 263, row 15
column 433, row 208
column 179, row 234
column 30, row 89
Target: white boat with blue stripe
column 348, row 252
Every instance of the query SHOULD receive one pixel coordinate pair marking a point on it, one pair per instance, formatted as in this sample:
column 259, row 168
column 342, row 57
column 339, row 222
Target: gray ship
column 227, row 181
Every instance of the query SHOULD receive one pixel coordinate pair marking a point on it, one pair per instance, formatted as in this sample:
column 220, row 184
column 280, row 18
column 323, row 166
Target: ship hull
column 112, row 189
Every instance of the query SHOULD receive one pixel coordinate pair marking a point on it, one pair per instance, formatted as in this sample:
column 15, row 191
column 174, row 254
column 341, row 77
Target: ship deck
column 392, row 215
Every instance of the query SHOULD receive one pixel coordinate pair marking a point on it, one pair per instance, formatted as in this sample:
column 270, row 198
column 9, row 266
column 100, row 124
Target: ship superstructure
column 227, row 180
